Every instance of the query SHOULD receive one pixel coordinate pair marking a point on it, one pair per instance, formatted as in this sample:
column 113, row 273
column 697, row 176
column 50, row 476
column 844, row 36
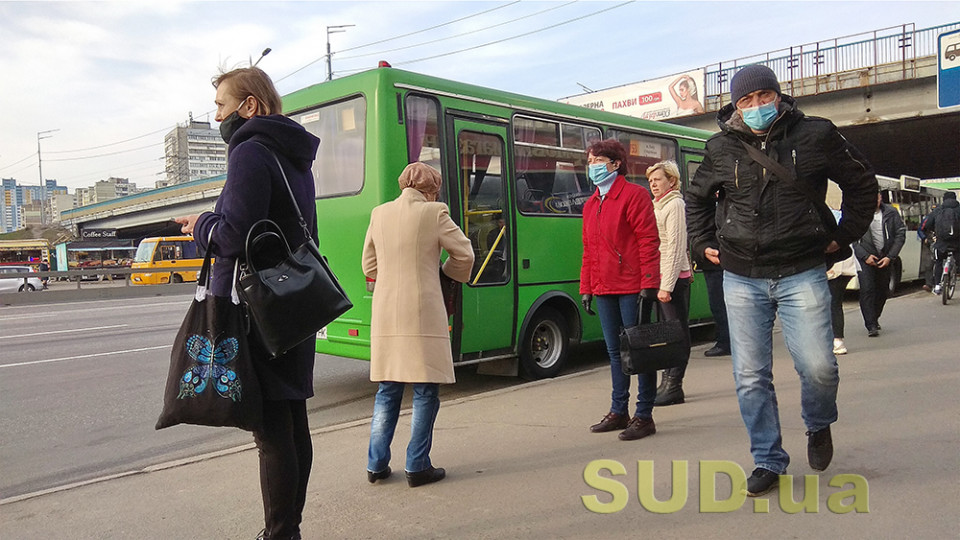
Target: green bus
column 514, row 170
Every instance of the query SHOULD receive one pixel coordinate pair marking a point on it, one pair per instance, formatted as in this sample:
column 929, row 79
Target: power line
column 104, row 155
column 458, row 35
column 16, row 162
column 499, row 40
column 514, row 37
column 312, row 62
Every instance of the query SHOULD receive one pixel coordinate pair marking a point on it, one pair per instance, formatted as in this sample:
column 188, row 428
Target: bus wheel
column 545, row 345
column 177, row 278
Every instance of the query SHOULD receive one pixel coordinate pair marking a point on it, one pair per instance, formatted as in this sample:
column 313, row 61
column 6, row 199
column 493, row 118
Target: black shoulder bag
column 826, row 216
column 649, row 347
column 290, row 294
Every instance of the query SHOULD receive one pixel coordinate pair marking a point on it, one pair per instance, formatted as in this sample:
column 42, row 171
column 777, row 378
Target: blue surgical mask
column 597, row 172
column 760, row 118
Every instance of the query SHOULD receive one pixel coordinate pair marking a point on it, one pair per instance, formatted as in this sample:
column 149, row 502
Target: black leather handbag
column 289, row 294
column 649, row 347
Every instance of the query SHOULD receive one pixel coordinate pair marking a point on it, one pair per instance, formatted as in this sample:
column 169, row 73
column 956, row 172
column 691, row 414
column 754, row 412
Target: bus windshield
column 145, row 252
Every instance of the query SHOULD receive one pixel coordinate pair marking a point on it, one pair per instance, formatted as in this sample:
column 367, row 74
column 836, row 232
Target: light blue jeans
column 386, row 411
column 803, row 303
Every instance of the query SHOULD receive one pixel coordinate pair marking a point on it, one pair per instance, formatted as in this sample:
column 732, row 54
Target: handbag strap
column 293, row 199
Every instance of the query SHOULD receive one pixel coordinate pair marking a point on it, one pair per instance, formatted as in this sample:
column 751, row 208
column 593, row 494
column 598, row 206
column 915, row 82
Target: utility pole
column 43, row 186
column 333, row 30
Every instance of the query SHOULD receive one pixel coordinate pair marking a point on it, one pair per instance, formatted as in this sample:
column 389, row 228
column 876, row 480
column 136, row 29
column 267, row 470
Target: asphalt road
column 81, row 387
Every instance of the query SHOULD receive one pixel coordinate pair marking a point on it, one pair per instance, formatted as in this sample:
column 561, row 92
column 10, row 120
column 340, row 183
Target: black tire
column 545, row 345
column 176, row 278
column 28, row 287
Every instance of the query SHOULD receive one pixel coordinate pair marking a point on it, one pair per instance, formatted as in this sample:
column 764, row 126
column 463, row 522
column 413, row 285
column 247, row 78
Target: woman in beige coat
column 409, row 335
column 674, row 293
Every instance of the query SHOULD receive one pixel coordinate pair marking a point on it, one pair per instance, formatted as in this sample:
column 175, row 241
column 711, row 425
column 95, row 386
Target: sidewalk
column 515, row 462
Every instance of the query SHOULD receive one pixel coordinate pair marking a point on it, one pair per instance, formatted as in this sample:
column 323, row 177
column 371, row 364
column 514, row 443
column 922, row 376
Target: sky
column 112, row 78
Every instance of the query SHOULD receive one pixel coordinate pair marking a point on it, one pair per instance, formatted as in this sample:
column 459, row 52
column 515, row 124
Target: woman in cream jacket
column 674, row 293
column 409, row 336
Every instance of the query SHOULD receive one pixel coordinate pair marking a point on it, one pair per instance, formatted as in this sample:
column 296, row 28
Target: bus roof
column 384, row 78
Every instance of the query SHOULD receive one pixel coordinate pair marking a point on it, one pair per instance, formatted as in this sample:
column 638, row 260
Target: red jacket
column 621, row 246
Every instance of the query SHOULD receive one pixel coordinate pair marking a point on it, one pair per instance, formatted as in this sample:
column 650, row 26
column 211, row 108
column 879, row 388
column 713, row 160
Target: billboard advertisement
column 657, row 99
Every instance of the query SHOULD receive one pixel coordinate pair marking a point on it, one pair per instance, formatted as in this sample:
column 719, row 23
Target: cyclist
column 944, row 223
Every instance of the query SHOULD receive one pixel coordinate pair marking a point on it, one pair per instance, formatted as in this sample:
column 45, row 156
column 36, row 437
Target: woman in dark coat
column 248, row 107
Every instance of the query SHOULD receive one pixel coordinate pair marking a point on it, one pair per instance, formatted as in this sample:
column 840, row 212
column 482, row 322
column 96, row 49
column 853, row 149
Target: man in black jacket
column 876, row 251
column 944, row 223
column 772, row 233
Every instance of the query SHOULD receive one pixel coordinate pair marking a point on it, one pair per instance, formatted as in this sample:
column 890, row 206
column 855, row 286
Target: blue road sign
column 948, row 72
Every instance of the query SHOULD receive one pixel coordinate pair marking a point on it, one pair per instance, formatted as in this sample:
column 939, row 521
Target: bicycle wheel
column 951, row 287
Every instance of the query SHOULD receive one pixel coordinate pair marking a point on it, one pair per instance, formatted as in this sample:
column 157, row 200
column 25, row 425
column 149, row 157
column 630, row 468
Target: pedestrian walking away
column 838, row 277
column 944, row 224
column 409, row 336
column 772, row 233
column 875, row 253
column 621, row 261
column 251, row 123
column 675, row 274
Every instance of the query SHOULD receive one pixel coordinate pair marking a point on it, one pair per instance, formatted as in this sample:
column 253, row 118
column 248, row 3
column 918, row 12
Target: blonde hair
column 254, row 82
column 669, row 168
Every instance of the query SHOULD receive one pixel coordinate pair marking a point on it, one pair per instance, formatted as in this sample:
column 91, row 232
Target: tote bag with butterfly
column 211, row 381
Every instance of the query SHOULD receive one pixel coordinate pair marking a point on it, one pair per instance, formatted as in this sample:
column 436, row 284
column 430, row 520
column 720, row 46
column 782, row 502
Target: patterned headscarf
column 421, row 177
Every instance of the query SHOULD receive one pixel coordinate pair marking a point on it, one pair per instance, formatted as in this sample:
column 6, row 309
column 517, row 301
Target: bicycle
column 948, row 281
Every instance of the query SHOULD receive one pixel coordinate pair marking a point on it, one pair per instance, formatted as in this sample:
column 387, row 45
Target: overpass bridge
column 880, row 88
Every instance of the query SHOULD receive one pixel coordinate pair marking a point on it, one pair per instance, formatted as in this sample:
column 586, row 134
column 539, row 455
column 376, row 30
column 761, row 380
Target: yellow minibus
column 163, row 260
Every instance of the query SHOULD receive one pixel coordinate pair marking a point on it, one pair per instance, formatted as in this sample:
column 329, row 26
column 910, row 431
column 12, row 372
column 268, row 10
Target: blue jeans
column 386, row 411
column 617, row 311
column 803, row 303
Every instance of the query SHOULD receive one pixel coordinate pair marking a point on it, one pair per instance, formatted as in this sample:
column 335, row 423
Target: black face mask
column 230, row 125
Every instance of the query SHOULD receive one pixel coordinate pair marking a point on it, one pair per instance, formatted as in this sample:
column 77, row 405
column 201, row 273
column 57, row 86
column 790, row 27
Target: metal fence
column 898, row 46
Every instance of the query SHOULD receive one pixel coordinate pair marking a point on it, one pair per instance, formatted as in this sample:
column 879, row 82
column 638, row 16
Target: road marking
column 86, row 310
column 63, row 331
column 128, row 351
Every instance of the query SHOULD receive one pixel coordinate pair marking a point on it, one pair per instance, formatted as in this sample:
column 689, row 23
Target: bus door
column 489, row 302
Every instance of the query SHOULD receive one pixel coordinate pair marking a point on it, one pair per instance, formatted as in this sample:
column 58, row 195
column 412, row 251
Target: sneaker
column 761, row 481
column 838, row 346
column 873, row 332
column 926, row 288
column 937, row 289
column 819, row 449
column 638, row 428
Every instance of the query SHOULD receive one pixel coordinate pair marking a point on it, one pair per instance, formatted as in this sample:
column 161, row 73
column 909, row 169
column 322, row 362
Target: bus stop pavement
column 522, row 463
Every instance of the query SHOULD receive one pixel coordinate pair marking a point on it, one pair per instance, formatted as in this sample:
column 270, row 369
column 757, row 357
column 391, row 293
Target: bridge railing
column 897, row 48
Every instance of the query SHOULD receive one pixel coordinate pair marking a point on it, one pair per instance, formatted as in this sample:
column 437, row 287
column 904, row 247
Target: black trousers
column 837, row 286
column 286, row 455
column 678, row 309
column 714, row 280
column 874, row 284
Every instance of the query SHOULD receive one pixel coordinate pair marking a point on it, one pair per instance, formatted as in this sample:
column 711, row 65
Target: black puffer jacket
column 770, row 228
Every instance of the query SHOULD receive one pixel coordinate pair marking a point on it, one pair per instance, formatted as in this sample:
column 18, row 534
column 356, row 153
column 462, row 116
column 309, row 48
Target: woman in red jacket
column 621, row 259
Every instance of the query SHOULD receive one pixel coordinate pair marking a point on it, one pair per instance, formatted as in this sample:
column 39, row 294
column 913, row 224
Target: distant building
column 26, row 205
column 193, row 151
column 60, row 202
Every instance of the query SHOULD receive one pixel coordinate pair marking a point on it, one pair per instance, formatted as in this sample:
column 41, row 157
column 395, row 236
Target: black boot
column 670, row 391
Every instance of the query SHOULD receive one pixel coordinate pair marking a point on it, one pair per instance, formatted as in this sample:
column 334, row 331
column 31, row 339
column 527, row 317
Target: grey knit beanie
column 752, row 78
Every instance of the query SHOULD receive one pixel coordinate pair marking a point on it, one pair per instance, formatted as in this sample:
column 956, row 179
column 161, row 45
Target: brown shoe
column 610, row 422
column 638, row 428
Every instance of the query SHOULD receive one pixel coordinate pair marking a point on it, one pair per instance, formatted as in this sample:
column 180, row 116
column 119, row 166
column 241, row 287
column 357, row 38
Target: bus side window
column 188, row 250
column 167, row 252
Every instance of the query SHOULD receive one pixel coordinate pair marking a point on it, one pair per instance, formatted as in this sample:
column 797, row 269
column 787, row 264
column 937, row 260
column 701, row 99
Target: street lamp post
column 333, row 30
column 43, row 188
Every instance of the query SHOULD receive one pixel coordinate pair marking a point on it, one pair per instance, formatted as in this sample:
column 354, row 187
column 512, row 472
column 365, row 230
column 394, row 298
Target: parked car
column 14, row 285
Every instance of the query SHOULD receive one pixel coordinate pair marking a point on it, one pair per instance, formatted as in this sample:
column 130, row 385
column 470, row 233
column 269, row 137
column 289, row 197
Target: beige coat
column 672, row 226
column 409, row 336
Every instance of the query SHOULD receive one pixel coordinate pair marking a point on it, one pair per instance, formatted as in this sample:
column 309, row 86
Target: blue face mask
column 598, row 174
column 760, row 118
